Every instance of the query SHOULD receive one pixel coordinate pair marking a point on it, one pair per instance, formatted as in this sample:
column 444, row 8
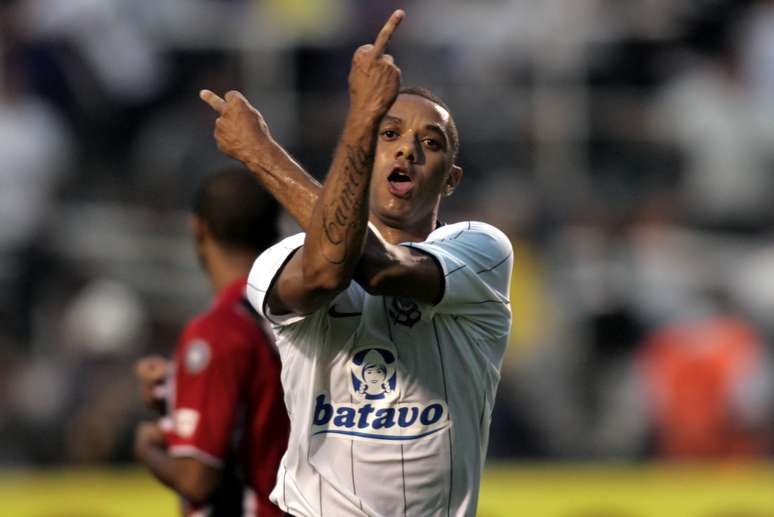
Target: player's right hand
column 148, row 435
column 152, row 372
column 374, row 80
column 240, row 130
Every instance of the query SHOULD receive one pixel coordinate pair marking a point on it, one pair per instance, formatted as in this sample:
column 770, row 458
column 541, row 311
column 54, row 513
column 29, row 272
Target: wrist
column 141, row 451
column 363, row 119
column 259, row 159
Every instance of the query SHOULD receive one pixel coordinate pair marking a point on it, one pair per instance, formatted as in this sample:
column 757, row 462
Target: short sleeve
column 264, row 273
column 206, row 397
column 476, row 259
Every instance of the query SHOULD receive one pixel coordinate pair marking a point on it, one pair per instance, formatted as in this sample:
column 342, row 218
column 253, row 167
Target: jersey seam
column 403, row 472
column 446, row 399
column 447, row 275
column 265, row 304
column 496, row 265
column 192, row 451
column 256, row 287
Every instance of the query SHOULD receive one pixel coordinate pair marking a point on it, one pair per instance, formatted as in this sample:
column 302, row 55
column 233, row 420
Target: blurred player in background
column 390, row 379
column 226, row 427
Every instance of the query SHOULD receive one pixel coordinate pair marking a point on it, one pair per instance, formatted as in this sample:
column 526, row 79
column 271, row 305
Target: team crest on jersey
column 405, row 311
column 197, row 356
column 373, row 375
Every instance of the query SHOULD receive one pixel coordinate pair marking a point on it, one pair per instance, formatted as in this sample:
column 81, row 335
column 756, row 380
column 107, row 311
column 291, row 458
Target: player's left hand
column 151, row 372
column 240, row 131
column 148, row 435
column 374, row 80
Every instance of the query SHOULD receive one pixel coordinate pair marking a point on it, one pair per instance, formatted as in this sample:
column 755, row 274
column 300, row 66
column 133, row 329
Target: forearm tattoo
column 343, row 217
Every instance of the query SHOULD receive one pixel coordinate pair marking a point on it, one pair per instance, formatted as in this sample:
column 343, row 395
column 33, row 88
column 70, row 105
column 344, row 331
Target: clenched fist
column 374, row 80
column 240, row 130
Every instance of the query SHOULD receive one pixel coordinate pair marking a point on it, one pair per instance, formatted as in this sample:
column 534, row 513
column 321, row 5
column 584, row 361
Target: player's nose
column 408, row 149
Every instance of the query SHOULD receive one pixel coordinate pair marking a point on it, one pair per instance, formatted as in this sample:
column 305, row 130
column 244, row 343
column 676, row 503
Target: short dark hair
column 239, row 213
column 425, row 93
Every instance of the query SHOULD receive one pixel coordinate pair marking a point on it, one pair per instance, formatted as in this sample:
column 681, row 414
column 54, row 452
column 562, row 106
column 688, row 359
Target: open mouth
column 400, row 183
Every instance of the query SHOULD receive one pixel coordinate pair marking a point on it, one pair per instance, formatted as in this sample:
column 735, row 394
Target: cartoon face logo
column 372, row 371
column 405, row 311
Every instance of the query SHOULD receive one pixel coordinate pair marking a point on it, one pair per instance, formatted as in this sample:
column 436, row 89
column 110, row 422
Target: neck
column 224, row 267
column 417, row 232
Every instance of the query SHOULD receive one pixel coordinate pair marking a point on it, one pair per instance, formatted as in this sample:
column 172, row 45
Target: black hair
column 454, row 135
column 238, row 211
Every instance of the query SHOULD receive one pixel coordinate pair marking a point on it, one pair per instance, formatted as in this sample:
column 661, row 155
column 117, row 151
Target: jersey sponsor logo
column 197, row 356
column 377, row 421
column 334, row 313
column 185, row 422
column 373, row 375
column 405, row 311
column 374, row 413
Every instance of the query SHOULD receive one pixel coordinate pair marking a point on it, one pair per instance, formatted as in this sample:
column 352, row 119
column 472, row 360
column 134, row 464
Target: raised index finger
column 383, row 38
column 213, row 100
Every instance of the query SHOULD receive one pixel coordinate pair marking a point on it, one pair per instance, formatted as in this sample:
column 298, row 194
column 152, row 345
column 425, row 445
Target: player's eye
column 432, row 144
column 389, row 134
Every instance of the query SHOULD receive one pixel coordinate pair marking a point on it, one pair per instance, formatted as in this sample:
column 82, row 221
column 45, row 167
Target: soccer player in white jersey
column 391, row 328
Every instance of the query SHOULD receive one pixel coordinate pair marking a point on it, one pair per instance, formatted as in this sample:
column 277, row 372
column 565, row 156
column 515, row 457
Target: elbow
column 373, row 284
column 379, row 277
column 194, row 496
column 197, row 487
column 379, row 281
column 325, row 279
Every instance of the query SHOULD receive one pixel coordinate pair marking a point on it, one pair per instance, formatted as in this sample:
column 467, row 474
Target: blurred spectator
column 724, row 132
column 174, row 143
column 758, row 46
column 106, row 318
column 35, row 154
column 112, row 38
column 708, row 385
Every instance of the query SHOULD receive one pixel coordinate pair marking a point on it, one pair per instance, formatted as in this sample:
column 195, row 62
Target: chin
column 393, row 218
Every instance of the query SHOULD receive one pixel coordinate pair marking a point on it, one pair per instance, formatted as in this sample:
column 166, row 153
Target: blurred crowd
column 625, row 146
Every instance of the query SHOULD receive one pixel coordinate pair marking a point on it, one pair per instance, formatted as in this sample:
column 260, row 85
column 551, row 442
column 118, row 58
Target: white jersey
column 390, row 401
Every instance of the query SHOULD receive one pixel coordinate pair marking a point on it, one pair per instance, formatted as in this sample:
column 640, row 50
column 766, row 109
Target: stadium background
column 624, row 145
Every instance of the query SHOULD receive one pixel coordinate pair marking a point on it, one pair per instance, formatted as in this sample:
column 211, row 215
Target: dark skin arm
column 190, row 478
column 384, row 268
column 381, row 268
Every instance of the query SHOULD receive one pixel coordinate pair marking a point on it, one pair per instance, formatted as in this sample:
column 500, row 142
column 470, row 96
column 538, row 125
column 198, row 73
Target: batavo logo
column 373, row 421
column 374, row 385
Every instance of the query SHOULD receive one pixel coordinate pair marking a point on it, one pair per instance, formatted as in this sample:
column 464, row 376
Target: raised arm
column 242, row 133
column 326, row 263
column 383, row 268
column 334, row 217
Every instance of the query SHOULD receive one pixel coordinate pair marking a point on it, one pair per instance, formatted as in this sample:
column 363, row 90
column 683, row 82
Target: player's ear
column 198, row 229
column 452, row 180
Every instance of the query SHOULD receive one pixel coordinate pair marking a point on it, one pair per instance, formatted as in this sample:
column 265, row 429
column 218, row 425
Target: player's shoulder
column 224, row 327
column 480, row 234
column 268, row 262
column 202, row 328
column 285, row 246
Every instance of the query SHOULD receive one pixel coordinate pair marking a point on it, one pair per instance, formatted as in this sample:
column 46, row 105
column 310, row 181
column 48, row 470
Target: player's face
column 412, row 162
